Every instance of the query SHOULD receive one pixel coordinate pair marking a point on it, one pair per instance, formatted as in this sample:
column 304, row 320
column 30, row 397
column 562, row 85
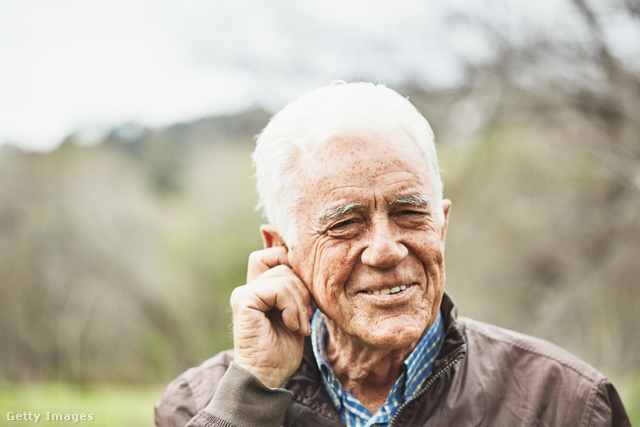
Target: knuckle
column 236, row 295
column 254, row 257
column 280, row 269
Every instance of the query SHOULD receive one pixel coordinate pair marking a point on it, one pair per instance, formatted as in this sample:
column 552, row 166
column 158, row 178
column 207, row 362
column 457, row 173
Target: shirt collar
column 417, row 366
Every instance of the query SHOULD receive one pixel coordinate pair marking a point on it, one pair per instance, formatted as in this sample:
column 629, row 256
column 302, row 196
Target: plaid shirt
column 417, row 368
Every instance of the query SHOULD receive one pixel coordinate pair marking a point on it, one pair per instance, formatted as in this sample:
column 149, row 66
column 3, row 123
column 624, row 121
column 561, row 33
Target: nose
column 384, row 250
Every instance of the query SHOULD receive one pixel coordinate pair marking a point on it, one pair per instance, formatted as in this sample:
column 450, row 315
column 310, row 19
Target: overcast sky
column 82, row 65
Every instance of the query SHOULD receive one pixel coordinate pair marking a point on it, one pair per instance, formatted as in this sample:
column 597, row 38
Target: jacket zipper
column 426, row 387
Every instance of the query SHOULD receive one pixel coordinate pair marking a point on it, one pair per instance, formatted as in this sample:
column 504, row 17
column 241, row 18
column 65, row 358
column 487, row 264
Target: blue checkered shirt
column 417, row 368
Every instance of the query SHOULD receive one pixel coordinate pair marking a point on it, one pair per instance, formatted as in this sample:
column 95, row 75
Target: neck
column 365, row 371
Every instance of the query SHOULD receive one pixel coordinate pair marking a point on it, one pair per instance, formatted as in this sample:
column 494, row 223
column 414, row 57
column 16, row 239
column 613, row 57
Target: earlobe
column 271, row 236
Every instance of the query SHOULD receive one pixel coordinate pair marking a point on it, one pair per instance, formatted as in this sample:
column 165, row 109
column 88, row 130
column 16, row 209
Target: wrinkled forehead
column 363, row 160
column 357, row 151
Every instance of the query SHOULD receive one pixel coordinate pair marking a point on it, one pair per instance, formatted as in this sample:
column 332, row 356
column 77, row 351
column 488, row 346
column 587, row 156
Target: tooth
column 376, row 292
column 385, row 292
column 395, row 290
column 403, row 287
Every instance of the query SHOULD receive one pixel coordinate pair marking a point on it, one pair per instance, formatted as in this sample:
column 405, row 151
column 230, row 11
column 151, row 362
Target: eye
column 412, row 213
column 342, row 224
column 345, row 229
column 411, row 218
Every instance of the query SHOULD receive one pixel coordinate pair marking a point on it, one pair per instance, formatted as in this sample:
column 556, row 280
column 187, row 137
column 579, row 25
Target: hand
column 270, row 317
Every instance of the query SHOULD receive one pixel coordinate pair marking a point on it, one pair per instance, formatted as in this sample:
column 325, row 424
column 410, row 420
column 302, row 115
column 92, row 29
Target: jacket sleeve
column 606, row 408
column 177, row 406
column 242, row 400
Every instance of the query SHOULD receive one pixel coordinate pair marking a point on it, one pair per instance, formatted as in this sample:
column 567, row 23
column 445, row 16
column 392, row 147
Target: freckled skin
column 379, row 246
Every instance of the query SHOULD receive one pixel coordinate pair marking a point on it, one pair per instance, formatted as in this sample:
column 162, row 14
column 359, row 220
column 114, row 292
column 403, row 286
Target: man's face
column 370, row 242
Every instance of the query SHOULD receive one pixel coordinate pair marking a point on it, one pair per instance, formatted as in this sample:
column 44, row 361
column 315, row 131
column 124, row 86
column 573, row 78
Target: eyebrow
column 337, row 211
column 416, row 199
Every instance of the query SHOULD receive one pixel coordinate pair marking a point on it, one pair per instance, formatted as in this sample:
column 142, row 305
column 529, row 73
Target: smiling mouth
column 388, row 291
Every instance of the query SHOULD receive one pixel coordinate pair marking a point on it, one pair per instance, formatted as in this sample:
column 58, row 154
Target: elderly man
column 344, row 319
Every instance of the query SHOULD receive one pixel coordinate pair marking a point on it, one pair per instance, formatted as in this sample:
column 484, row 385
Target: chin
column 393, row 333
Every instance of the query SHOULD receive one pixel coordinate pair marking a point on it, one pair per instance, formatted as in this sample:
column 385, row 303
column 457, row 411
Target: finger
column 309, row 307
column 280, row 288
column 306, row 313
column 288, row 276
column 313, row 306
column 296, row 303
column 272, row 264
column 302, row 296
column 266, row 259
column 285, row 298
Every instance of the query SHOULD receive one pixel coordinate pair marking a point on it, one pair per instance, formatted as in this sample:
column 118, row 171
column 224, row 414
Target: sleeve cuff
column 243, row 400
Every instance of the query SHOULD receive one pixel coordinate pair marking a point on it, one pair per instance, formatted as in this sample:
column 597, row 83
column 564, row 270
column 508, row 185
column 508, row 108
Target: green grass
column 629, row 390
column 110, row 405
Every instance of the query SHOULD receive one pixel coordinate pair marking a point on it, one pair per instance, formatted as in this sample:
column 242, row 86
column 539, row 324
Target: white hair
column 340, row 110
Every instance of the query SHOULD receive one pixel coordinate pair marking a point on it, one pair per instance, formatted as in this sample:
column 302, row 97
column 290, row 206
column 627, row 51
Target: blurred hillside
column 117, row 259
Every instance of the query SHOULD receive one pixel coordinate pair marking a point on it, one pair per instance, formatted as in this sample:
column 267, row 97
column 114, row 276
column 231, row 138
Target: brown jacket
column 483, row 376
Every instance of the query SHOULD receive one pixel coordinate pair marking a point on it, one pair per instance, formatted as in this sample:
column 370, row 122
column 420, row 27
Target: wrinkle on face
column 370, row 183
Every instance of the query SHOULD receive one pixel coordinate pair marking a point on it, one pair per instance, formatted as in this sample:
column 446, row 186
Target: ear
column 271, row 236
column 446, row 207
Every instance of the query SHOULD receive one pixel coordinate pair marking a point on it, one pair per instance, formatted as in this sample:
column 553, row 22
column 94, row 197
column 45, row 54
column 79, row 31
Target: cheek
column 431, row 255
column 435, row 260
column 436, row 274
column 332, row 269
column 431, row 251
